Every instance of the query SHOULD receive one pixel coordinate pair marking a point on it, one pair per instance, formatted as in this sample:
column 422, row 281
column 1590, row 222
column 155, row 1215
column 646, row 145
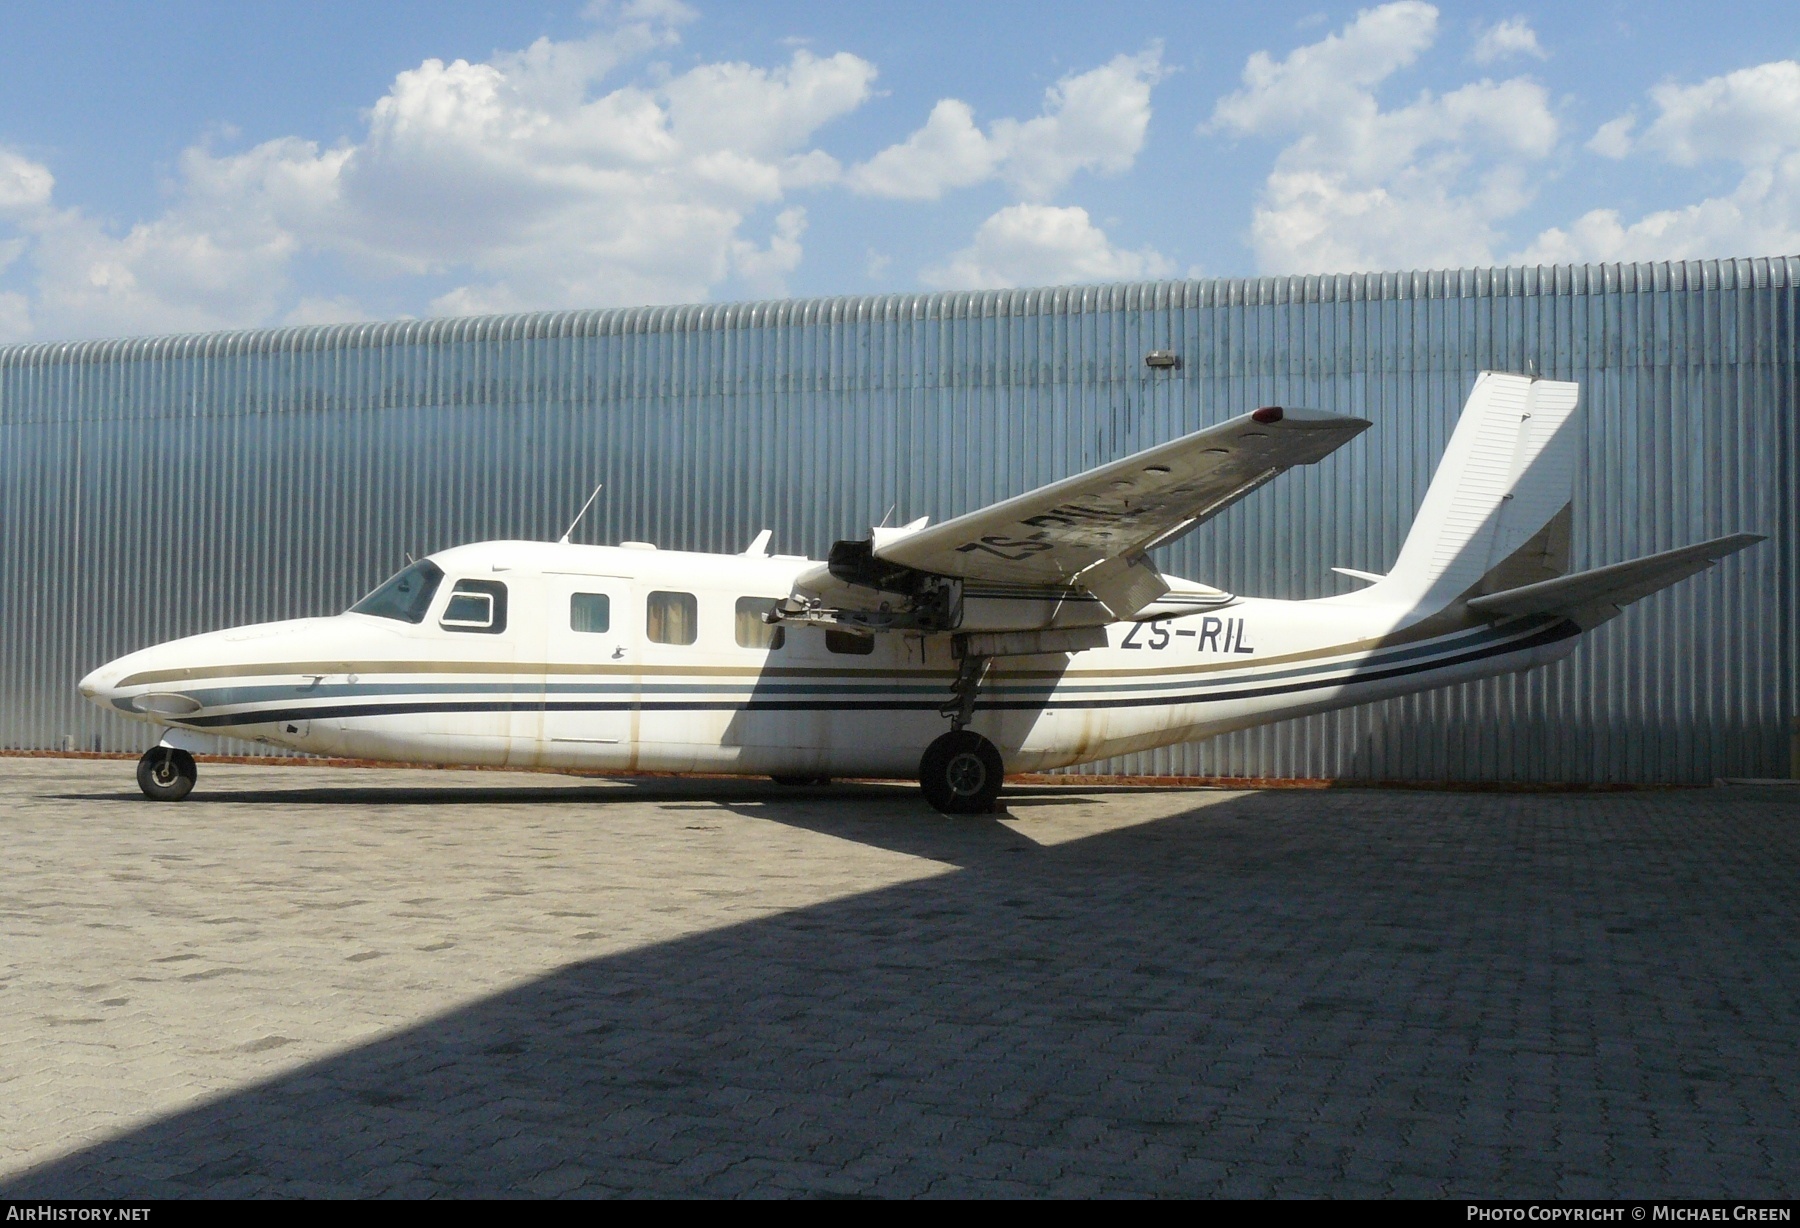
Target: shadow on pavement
column 1269, row 995
column 632, row 790
column 883, row 814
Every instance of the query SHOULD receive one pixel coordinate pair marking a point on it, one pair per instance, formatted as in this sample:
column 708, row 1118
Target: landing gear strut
column 960, row 772
column 968, row 681
column 165, row 774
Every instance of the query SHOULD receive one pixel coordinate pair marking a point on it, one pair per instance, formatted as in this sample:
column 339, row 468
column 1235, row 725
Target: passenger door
column 591, row 666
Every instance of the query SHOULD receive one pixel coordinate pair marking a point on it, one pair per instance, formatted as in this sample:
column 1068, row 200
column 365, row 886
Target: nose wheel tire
column 960, row 773
column 166, row 774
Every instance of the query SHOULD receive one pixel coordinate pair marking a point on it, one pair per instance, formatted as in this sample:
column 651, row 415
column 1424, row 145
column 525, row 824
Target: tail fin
column 1508, row 472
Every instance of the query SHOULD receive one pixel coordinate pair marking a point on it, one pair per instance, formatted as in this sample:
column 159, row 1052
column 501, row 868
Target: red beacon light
column 1268, row 413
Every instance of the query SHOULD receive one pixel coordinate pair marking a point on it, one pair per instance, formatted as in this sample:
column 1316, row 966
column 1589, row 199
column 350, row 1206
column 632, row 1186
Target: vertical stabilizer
column 1508, row 472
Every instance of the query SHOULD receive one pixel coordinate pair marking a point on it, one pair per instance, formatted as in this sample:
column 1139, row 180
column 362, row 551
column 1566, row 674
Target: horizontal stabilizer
column 1592, row 597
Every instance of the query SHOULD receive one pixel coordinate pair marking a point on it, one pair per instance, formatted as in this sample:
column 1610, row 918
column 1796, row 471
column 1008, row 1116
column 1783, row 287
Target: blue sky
column 190, row 166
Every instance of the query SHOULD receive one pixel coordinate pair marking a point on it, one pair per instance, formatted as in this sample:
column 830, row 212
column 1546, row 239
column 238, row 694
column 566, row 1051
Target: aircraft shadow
column 673, row 791
column 1336, row 995
column 887, row 815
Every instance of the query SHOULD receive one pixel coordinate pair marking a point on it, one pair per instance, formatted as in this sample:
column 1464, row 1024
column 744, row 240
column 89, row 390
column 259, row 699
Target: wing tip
column 1301, row 418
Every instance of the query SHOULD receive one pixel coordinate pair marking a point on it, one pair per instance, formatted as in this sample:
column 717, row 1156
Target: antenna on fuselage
column 564, row 539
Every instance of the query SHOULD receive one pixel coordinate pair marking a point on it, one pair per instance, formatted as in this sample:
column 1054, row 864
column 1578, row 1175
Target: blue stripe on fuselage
column 1463, row 649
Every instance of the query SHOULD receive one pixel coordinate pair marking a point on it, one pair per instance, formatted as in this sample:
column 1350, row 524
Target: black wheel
column 960, row 773
column 793, row 781
column 166, row 774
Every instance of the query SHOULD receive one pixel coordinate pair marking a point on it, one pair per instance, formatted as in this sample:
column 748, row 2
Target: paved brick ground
column 313, row 981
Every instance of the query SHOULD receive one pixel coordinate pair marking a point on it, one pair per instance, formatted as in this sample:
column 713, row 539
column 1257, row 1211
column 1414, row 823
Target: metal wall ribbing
column 154, row 488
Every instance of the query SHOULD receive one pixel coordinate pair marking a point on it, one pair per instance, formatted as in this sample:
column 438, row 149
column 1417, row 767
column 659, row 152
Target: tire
column 961, row 773
column 166, row 774
column 795, row 781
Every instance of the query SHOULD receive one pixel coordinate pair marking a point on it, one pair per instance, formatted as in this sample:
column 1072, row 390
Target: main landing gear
column 961, row 771
column 166, row 774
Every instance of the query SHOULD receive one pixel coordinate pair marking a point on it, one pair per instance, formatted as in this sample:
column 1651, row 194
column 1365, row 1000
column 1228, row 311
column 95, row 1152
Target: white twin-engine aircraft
column 1033, row 634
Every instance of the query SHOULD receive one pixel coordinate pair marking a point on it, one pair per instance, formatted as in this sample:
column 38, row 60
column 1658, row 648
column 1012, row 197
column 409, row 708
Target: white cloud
column 1029, row 244
column 521, row 179
column 1092, row 121
column 491, row 299
column 1613, row 138
column 1506, row 39
column 558, row 75
column 764, row 269
column 948, row 152
column 24, row 185
column 217, row 258
column 15, row 317
column 1333, row 74
column 634, row 196
column 325, row 309
column 763, row 114
column 1750, row 117
column 1358, row 187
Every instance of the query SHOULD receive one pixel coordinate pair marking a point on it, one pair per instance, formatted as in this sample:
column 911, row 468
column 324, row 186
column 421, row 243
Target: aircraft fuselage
column 632, row 659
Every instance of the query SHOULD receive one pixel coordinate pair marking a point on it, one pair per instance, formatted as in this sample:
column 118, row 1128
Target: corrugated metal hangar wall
column 154, row 488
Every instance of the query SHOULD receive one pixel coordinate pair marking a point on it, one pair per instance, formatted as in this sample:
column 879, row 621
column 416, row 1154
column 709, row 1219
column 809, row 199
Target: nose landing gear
column 166, row 773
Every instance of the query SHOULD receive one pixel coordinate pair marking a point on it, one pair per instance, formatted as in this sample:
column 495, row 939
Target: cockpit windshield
column 405, row 597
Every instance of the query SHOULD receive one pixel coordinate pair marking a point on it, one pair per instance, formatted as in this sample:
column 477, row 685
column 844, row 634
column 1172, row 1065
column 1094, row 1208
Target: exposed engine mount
column 927, row 602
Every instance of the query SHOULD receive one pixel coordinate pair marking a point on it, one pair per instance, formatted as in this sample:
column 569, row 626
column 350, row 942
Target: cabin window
column 405, row 596
column 853, row 645
column 752, row 631
column 590, row 612
column 672, row 618
column 477, row 606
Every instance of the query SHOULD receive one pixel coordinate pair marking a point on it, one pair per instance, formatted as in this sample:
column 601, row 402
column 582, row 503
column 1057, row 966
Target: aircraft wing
column 1090, row 531
column 1592, row 597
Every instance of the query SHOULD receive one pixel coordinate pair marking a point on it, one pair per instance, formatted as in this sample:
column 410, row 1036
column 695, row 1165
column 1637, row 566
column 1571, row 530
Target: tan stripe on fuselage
column 1438, row 625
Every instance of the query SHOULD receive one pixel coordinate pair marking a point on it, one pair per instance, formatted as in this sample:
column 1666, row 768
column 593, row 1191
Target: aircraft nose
column 98, row 686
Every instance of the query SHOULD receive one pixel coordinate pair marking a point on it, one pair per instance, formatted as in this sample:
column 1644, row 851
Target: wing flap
column 1124, row 585
column 1057, row 532
column 1598, row 594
